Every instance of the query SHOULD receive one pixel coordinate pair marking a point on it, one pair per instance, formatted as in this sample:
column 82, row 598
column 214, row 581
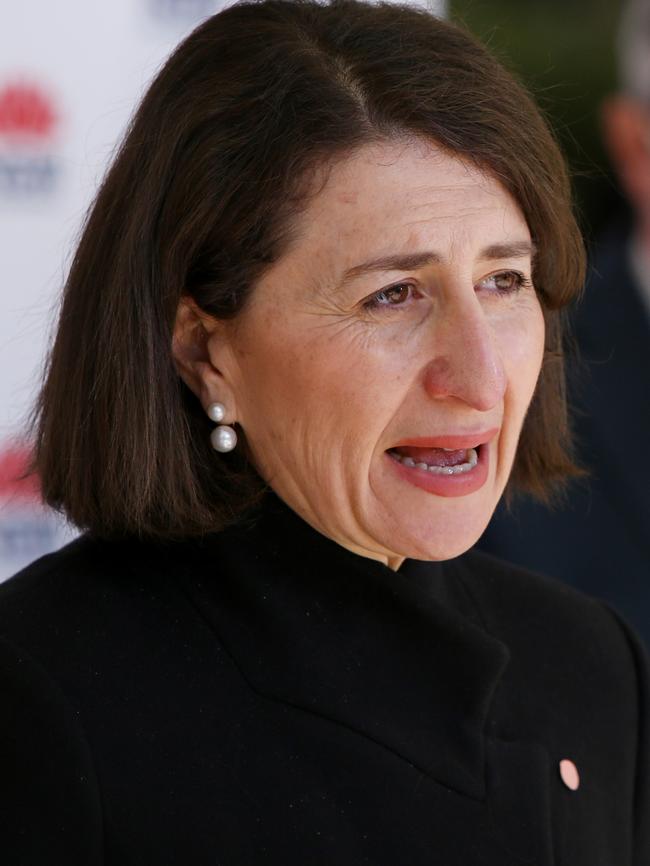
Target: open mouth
column 437, row 461
column 448, row 464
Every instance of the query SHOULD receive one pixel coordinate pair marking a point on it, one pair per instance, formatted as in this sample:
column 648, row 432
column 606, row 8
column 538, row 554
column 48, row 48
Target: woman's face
column 402, row 322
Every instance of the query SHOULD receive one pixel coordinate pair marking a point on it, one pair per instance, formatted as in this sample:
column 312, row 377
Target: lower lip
column 446, row 485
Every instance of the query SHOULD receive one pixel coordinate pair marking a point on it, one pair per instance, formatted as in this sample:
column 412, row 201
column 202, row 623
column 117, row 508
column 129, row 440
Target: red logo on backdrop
column 26, row 111
column 14, row 461
column 28, row 121
column 27, row 529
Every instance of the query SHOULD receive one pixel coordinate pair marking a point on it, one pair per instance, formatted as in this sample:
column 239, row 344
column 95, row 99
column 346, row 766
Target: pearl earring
column 223, row 438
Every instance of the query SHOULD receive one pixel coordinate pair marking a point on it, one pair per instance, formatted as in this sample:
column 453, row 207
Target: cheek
column 521, row 339
column 522, row 351
column 305, row 388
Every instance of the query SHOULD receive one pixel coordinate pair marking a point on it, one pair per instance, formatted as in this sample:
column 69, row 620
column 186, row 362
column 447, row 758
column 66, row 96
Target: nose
column 467, row 364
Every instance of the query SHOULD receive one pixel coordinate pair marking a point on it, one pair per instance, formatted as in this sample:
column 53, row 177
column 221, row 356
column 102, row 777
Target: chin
column 418, row 523
column 439, row 546
column 435, row 530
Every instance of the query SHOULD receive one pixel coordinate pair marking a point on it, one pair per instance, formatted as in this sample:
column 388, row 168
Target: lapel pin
column 569, row 774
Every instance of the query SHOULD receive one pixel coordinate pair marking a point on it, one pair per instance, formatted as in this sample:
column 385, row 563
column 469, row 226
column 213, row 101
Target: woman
column 310, row 336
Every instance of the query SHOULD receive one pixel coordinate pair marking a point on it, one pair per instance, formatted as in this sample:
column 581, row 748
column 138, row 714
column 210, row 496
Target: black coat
column 265, row 696
column 599, row 539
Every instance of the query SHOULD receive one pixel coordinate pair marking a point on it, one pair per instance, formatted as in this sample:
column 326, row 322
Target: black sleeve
column 642, row 781
column 50, row 809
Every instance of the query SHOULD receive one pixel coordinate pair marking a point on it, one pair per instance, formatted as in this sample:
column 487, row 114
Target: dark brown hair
column 201, row 199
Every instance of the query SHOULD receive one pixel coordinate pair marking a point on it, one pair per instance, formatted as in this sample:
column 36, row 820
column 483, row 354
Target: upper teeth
column 471, row 459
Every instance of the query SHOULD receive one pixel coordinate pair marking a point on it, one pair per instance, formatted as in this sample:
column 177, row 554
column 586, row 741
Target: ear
column 194, row 339
column 626, row 130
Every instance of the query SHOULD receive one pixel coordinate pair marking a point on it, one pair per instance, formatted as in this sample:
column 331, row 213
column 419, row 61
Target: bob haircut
column 204, row 195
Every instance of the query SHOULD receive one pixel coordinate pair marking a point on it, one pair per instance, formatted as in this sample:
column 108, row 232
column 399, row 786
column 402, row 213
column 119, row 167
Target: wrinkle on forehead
column 372, row 202
column 350, row 184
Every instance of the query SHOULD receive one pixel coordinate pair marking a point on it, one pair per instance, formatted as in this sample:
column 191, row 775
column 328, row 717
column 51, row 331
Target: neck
column 393, row 561
column 385, row 557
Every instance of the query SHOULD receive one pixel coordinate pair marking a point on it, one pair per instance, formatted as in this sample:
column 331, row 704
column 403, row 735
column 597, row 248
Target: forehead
column 410, row 195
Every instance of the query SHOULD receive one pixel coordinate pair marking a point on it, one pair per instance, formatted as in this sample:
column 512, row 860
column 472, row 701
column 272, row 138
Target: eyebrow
column 412, row 261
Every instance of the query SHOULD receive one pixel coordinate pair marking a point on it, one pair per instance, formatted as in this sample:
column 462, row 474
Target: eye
column 393, row 296
column 505, row 282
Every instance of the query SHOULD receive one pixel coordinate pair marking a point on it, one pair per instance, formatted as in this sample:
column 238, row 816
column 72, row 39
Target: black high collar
column 396, row 656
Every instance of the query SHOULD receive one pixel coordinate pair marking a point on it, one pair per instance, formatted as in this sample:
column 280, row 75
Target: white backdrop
column 71, row 73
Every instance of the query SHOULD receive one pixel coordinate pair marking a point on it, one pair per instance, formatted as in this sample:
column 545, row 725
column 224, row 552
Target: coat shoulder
column 528, row 604
column 77, row 576
column 87, row 597
column 553, row 628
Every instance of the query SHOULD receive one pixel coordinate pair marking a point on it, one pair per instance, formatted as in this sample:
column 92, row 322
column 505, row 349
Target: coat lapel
column 333, row 633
